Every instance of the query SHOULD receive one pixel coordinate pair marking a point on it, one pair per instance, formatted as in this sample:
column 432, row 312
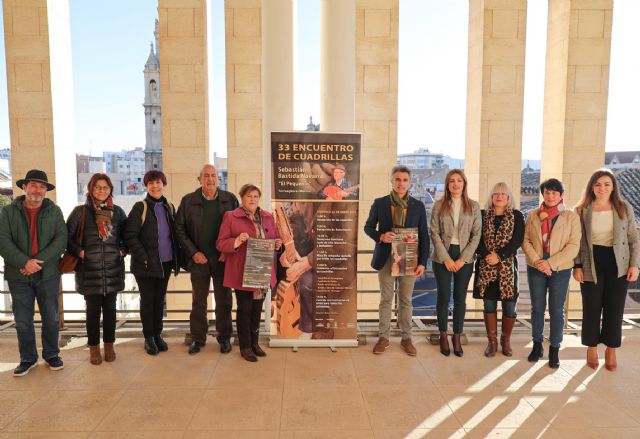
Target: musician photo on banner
column 339, row 187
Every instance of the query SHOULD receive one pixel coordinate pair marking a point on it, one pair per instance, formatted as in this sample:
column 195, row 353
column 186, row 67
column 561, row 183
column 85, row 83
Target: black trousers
column 153, row 291
column 248, row 318
column 603, row 299
column 105, row 305
column 201, row 276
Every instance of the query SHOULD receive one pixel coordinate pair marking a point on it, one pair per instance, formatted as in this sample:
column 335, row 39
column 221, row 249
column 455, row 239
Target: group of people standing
column 598, row 242
column 208, row 235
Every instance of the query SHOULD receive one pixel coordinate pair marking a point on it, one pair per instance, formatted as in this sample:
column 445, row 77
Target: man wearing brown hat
column 33, row 235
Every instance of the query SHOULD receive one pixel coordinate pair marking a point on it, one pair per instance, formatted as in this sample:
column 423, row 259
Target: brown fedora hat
column 36, row 175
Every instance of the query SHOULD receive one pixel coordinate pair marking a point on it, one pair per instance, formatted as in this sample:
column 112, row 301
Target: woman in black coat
column 154, row 254
column 497, row 266
column 100, row 271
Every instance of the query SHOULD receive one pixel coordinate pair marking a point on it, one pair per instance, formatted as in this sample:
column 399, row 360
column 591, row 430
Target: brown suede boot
column 109, row 353
column 94, row 355
column 491, row 324
column 505, row 338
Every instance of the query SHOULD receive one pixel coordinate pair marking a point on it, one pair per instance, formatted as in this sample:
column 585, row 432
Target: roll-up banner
column 315, row 189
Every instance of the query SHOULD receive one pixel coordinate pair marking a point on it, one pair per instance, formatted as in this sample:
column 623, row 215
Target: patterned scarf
column 399, row 208
column 547, row 215
column 495, row 240
column 104, row 213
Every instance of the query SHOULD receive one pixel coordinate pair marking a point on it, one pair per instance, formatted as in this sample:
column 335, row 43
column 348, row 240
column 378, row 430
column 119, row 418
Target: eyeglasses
column 101, row 188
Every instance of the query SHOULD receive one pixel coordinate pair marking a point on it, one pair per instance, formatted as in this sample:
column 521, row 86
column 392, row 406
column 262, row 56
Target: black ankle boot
column 537, row 352
column 150, row 346
column 554, row 360
column 160, row 343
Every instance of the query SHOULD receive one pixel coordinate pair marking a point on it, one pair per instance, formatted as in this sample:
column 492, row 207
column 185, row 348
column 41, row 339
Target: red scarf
column 104, row 213
column 546, row 215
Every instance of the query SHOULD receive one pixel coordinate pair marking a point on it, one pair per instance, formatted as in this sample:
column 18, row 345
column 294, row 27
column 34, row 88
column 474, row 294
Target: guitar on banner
column 334, row 192
column 287, row 298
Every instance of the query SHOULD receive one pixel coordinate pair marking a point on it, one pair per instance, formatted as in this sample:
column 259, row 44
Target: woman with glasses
column 100, row 271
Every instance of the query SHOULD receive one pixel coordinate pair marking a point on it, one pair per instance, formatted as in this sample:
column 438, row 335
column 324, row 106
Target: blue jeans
column 557, row 284
column 508, row 307
column 23, row 297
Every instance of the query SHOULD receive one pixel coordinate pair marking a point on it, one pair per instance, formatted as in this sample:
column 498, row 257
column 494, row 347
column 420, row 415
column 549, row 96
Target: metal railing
column 367, row 316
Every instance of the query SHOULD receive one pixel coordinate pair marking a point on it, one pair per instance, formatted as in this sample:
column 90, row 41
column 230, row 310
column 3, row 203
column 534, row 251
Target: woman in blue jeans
column 496, row 277
column 551, row 242
column 455, row 232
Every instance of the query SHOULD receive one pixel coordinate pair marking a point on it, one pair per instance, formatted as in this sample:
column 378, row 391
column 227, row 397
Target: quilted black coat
column 102, row 270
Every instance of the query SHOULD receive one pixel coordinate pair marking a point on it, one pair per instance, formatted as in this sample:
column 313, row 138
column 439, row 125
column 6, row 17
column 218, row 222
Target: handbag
column 68, row 261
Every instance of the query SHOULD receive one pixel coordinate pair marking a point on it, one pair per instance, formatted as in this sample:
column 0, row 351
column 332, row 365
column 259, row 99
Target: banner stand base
column 295, row 343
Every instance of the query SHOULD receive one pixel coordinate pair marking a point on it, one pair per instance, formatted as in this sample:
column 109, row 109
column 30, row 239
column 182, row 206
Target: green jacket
column 15, row 241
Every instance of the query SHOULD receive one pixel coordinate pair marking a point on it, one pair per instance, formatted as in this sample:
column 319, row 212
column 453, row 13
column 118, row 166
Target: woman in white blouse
column 608, row 260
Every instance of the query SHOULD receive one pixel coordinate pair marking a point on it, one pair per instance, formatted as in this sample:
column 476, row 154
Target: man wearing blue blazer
column 398, row 209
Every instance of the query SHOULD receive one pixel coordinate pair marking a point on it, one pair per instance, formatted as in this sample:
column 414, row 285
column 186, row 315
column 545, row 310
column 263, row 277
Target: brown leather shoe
column 408, row 347
column 592, row 357
column 109, row 353
column 95, row 357
column 610, row 361
column 491, row 325
column 381, row 346
column 505, row 338
column 258, row 350
column 248, row 355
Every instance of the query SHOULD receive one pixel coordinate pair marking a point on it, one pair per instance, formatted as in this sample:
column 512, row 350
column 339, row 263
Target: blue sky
column 110, row 43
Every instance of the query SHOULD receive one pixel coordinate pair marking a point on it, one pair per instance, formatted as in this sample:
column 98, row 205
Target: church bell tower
column 152, row 113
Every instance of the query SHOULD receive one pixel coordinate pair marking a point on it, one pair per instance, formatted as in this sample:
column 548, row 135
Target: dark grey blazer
column 625, row 243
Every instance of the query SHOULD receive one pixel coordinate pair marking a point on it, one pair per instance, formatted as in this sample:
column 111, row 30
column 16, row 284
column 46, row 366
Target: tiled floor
column 315, row 393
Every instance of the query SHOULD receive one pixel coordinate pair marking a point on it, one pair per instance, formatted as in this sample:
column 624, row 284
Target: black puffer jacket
column 102, row 270
column 142, row 239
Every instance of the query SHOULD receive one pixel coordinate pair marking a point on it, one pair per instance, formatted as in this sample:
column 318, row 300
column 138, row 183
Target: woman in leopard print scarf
column 497, row 267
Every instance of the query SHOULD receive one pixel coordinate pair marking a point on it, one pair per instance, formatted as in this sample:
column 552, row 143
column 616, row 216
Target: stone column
column 376, row 115
column 40, row 92
column 576, row 92
column 183, row 90
column 185, row 119
column 243, row 30
column 277, row 82
column 495, row 95
column 337, row 65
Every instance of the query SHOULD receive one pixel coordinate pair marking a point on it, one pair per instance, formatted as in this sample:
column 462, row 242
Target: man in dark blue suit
column 398, row 209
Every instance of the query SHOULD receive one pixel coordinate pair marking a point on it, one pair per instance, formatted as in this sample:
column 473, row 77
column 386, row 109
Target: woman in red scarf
column 100, row 272
column 551, row 242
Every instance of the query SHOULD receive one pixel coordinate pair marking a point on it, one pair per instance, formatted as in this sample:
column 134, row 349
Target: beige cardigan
column 565, row 240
